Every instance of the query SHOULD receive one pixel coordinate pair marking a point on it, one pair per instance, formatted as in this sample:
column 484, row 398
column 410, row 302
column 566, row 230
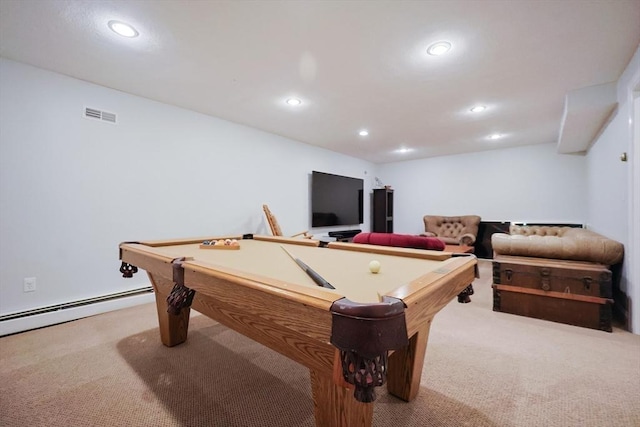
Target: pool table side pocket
column 173, row 327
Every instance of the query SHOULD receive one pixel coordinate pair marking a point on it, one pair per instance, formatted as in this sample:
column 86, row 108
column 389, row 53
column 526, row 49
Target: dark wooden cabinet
column 383, row 210
column 482, row 246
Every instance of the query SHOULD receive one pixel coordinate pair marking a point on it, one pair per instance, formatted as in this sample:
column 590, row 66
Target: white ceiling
column 354, row 64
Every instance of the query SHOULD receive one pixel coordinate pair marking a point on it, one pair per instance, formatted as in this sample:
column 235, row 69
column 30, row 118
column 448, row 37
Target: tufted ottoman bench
column 566, row 243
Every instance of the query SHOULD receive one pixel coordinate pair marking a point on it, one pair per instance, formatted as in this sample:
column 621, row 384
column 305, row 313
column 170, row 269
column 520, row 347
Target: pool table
column 371, row 328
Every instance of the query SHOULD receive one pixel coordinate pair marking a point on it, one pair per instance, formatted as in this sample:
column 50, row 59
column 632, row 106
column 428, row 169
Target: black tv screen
column 336, row 200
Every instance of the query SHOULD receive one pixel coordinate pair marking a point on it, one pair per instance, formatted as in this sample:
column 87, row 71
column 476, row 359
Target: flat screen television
column 336, row 200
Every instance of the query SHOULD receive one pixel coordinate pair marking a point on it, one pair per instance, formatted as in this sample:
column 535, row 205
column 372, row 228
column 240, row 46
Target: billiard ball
column 374, row 266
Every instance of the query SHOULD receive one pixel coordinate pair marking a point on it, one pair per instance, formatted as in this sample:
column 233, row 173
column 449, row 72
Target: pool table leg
column 335, row 405
column 173, row 328
column 405, row 366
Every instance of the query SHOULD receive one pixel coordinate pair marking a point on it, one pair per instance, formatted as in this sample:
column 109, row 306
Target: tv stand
column 344, row 234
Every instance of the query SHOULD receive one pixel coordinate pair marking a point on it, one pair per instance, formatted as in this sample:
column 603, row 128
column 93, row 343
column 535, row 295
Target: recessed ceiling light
column 438, row 48
column 293, row 102
column 404, row 150
column 478, row 109
column 125, row 30
column 494, row 136
column 363, row 132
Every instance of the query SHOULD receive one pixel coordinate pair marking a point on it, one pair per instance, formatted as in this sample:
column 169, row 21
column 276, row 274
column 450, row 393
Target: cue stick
column 320, row 281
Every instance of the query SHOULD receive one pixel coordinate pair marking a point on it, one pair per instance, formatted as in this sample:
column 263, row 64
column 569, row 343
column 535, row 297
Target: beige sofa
column 565, row 243
column 452, row 230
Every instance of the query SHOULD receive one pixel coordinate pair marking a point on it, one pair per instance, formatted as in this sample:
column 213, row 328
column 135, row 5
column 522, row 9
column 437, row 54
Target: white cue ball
column 374, row 266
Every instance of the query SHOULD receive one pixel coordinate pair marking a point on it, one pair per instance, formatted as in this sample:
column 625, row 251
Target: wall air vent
column 92, row 113
column 109, row 117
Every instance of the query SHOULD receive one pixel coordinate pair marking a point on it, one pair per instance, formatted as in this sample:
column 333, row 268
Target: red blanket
column 400, row 240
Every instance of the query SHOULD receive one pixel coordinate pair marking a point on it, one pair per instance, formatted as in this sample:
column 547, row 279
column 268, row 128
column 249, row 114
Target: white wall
column 72, row 189
column 612, row 187
column 607, row 181
column 530, row 184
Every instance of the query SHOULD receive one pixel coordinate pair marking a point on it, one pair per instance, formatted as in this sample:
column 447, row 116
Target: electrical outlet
column 29, row 284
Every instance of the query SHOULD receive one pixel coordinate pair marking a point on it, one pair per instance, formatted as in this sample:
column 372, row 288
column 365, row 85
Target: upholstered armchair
column 453, row 230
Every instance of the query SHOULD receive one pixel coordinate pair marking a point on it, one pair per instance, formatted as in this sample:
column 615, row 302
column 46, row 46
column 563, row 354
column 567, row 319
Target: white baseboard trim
column 21, row 324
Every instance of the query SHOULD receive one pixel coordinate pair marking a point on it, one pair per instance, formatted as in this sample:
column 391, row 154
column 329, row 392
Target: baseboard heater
column 78, row 303
column 82, row 307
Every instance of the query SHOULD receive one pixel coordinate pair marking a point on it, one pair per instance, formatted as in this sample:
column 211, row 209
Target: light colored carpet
column 482, row 369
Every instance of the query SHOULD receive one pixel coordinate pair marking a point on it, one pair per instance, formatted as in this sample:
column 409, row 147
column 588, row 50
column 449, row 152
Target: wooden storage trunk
column 575, row 293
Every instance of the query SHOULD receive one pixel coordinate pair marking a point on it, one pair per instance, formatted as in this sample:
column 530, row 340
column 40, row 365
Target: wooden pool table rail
column 190, row 240
column 391, row 250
